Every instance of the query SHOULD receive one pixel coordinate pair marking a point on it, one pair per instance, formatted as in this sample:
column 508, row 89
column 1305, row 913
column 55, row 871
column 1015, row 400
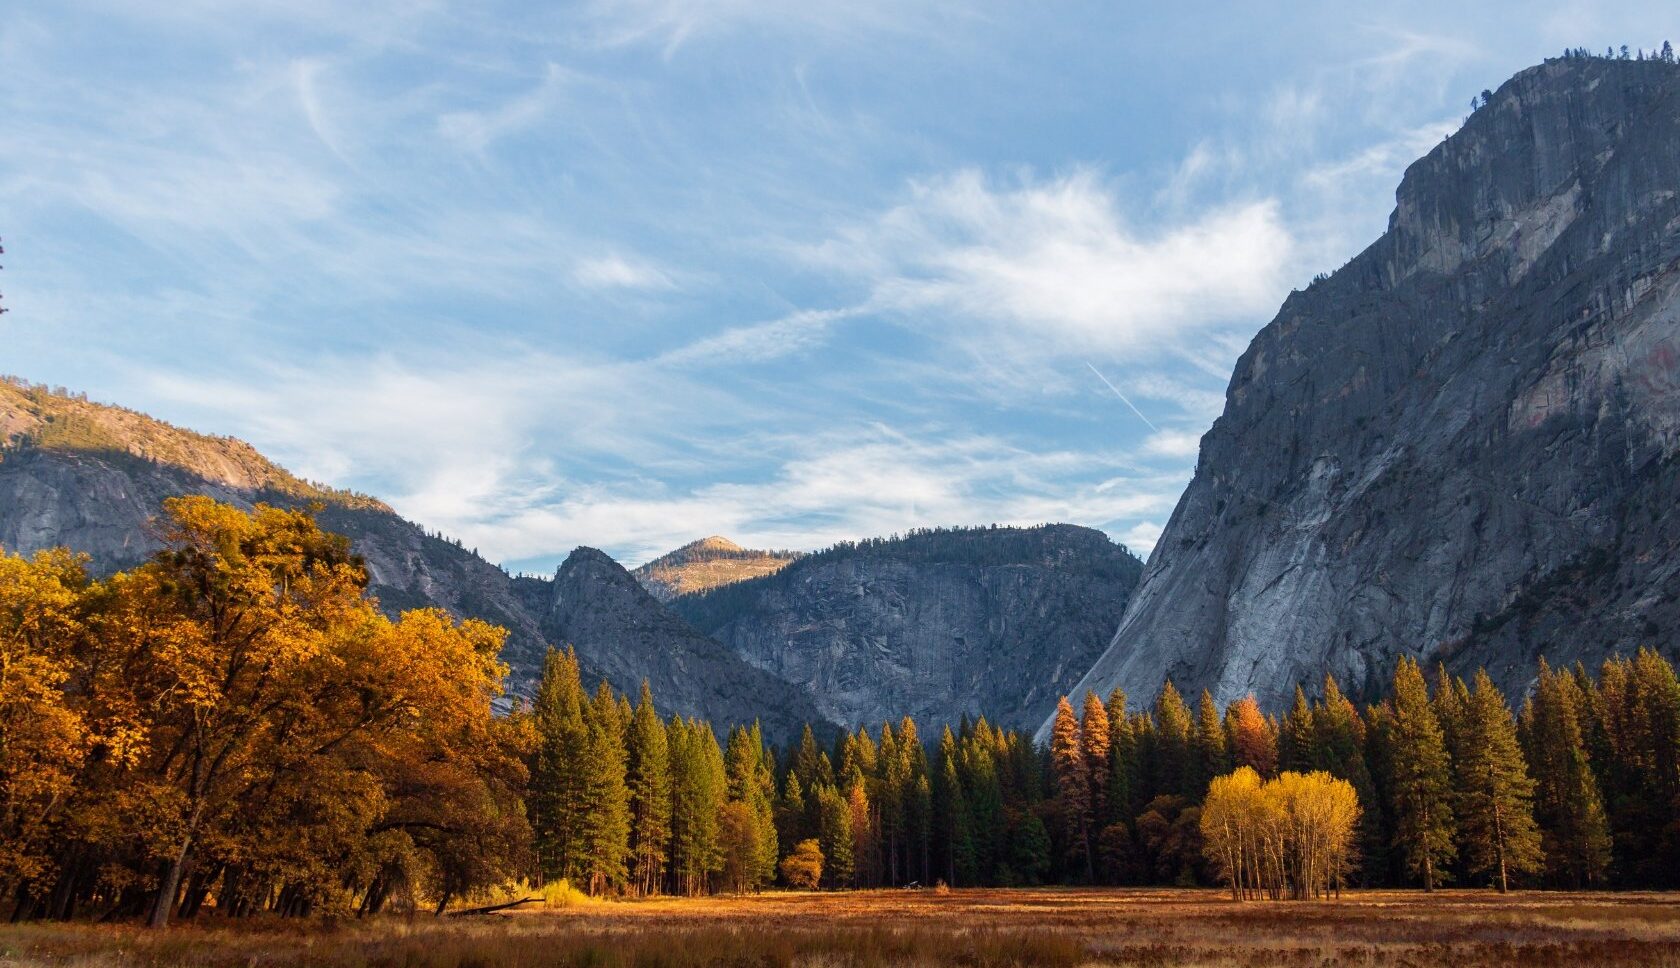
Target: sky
column 627, row 274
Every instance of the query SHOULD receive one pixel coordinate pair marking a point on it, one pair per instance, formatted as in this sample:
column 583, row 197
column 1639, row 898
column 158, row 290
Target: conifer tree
column 835, row 836
column 1339, row 749
column 863, row 831
column 697, row 796
column 1122, row 762
column 1073, row 785
column 1295, row 736
column 1251, row 737
column 1574, row 833
column 752, row 783
column 649, row 778
column 1420, row 778
column 1209, row 753
column 953, row 832
column 1174, row 773
column 557, row 775
column 604, row 837
column 1495, row 803
column 1094, row 746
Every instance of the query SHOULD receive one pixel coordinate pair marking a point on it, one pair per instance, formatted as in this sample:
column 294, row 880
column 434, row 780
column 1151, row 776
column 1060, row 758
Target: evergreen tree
column 863, row 831
column 1174, row 774
column 1122, row 762
column 1420, row 778
column 835, row 836
column 1574, row 833
column 1295, row 737
column 604, row 838
column 557, row 774
column 649, row 769
column 1339, row 749
column 697, row 796
column 1495, row 803
column 1209, row 753
column 1073, row 785
column 953, row 835
column 752, row 783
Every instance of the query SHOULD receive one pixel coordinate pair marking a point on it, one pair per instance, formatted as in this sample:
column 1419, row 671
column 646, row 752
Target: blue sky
column 628, row 274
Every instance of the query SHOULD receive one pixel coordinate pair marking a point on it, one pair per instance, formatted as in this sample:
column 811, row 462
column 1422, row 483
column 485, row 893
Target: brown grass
column 962, row 927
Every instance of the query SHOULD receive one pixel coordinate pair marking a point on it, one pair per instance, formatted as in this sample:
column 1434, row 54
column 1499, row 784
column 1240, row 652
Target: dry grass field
column 1067, row 927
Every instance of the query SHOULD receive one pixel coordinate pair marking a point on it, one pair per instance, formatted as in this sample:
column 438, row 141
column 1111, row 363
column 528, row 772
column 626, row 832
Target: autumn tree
column 1073, row 784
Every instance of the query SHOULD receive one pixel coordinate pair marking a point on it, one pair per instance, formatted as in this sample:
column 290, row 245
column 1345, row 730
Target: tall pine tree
column 1420, row 779
column 1495, row 804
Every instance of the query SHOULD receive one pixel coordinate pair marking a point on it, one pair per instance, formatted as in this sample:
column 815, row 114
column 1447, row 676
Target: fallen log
column 490, row 908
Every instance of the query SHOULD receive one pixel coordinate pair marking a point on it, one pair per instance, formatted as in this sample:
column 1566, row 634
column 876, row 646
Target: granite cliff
column 936, row 625
column 1460, row 446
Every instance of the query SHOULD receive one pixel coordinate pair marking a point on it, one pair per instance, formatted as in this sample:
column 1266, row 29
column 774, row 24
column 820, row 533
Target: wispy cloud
column 1055, row 266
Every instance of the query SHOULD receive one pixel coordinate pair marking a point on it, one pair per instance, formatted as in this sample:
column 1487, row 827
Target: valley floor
column 987, row 927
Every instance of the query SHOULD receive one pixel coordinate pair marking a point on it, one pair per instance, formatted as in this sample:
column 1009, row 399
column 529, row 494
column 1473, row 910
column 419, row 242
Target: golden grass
column 1460, row 929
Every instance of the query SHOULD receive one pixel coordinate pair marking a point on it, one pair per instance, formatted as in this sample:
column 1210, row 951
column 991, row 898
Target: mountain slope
column 706, row 564
column 91, row 477
column 619, row 629
column 1461, row 445
column 936, row 625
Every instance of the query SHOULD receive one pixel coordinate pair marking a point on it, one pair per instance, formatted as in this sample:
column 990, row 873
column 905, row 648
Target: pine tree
column 1420, row 780
column 604, row 838
column 697, row 796
column 835, row 836
column 952, row 833
column 1295, row 737
column 1175, row 774
column 1495, row 803
column 1122, row 762
column 752, row 783
column 1339, row 749
column 1574, row 833
column 1073, row 785
column 648, row 759
column 557, row 776
column 1094, row 746
column 1209, row 753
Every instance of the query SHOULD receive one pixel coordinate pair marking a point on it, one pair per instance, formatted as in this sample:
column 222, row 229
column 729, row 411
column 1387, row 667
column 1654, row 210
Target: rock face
column 1460, row 446
column 91, row 477
column 937, row 625
column 621, row 632
column 706, row 564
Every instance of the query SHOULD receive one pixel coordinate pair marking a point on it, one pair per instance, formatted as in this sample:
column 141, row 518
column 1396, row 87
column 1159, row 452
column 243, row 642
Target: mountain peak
column 707, row 563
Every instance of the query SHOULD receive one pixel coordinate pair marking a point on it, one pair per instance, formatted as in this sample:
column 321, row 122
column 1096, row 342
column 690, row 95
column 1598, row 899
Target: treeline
column 234, row 725
column 1577, row 789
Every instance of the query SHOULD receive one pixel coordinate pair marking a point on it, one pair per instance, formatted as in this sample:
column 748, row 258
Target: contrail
column 1123, row 399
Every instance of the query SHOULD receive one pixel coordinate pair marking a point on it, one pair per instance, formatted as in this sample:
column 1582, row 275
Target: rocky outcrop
column 706, row 564
column 622, row 633
column 938, row 625
column 1461, row 445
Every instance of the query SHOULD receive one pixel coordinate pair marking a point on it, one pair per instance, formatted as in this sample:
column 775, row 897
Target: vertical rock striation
column 1461, row 445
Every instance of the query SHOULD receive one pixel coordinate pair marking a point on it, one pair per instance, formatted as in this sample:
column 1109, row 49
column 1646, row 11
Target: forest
column 235, row 728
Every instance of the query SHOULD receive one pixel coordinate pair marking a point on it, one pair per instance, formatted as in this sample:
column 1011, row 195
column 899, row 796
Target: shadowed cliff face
column 935, row 626
column 622, row 633
column 1461, row 445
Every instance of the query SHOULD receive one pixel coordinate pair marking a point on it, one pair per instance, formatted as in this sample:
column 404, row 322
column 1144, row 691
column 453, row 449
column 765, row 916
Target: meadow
column 979, row 927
